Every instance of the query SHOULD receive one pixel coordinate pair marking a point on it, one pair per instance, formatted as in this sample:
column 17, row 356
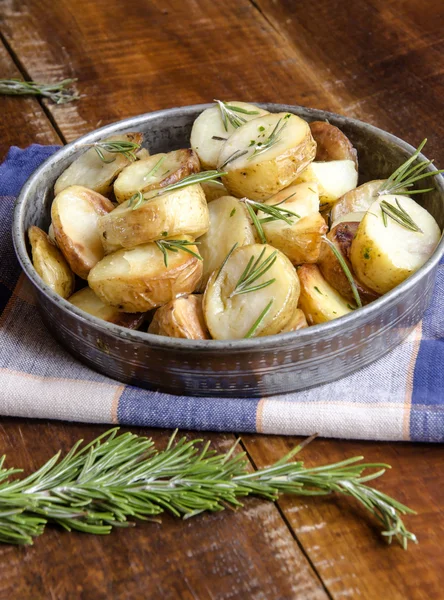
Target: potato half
column 384, row 255
column 319, row 301
column 181, row 318
column 50, row 263
column 209, row 133
column 157, row 171
column 301, row 241
column 342, row 236
column 234, row 316
column 87, row 301
column 75, row 213
column 334, row 179
column 356, row 201
column 266, row 155
column 137, row 280
column 297, row 321
column 229, row 224
column 180, row 212
column 90, row 171
column 332, row 143
column 214, row 190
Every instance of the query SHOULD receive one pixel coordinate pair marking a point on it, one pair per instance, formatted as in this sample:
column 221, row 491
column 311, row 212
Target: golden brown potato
column 334, row 179
column 137, row 280
column 180, row 212
column 266, row 155
column 331, row 143
column 75, row 213
column 297, row 321
column 87, row 301
column 318, row 300
column 232, row 313
column 342, row 236
column 157, row 171
column 301, row 241
column 50, row 264
column 90, row 171
column 181, row 318
column 356, row 201
column 214, row 190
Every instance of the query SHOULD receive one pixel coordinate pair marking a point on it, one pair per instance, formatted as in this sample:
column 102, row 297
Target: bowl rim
column 163, row 342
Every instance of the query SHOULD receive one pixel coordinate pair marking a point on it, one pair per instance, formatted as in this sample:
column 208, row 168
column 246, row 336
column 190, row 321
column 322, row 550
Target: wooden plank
column 22, row 120
column 344, row 543
column 248, row 553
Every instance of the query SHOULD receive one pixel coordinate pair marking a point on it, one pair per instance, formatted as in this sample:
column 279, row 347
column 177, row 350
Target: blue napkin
column 400, row 397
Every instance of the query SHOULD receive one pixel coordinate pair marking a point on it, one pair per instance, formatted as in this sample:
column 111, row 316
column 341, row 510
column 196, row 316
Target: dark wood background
column 378, row 60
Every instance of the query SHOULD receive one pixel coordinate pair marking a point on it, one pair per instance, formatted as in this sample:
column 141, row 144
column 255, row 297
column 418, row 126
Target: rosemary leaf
column 174, row 246
column 346, row 270
column 400, row 215
column 258, row 321
column 232, row 114
column 253, row 272
column 58, row 92
column 128, row 149
column 270, row 141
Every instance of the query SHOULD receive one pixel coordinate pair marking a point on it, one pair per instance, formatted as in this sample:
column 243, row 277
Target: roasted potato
column 356, row 201
column 232, row 313
column 180, row 212
column 384, row 253
column 318, row 300
column 181, row 318
column 334, row 179
column 87, row 301
column 214, row 190
column 342, row 236
column 297, row 321
column 157, row 171
column 229, row 224
column 301, row 241
column 137, row 280
column 332, row 143
column 75, row 213
column 209, row 132
column 90, row 171
column 143, row 153
column 50, row 263
column 51, row 234
column 266, row 155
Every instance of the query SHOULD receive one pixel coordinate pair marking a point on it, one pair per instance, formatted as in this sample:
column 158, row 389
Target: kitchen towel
column 400, row 397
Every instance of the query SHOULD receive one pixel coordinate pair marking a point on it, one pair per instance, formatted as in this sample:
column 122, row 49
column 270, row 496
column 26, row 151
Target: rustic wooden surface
column 378, row 60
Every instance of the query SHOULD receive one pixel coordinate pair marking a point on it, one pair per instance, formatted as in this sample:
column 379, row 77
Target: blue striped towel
column 400, row 397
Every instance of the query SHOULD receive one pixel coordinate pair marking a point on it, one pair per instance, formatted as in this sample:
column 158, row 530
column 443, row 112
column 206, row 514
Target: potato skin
column 181, row 318
column 81, row 254
column 50, row 263
column 261, row 178
column 356, row 201
column 181, row 212
column 318, row 300
column 297, row 321
column 86, row 300
column 332, row 143
column 137, row 280
column 342, row 236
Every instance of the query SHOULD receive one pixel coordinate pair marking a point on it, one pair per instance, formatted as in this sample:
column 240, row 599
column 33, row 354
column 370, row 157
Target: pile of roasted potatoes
column 258, row 229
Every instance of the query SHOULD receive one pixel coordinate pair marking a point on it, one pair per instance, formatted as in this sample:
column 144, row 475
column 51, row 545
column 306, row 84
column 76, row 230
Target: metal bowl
column 254, row 367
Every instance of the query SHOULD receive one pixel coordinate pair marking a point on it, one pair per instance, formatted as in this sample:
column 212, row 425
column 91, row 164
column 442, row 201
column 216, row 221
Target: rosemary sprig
column 182, row 183
column 136, row 200
column 57, row 91
column 274, row 212
column 258, row 321
column 346, row 270
column 253, row 271
column 271, row 140
column 400, row 215
column 233, row 248
column 232, row 114
column 405, row 176
column 118, row 478
column 156, row 167
column 174, row 246
column 128, row 149
column 234, row 156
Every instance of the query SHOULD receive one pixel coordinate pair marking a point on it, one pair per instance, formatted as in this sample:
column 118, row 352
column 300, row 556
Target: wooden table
column 378, row 60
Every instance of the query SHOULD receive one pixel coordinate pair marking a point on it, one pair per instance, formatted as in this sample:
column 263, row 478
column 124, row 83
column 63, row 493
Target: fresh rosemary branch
column 175, row 246
column 271, row 140
column 182, row 183
column 57, row 92
column 156, row 167
column 258, row 321
column 253, row 271
column 118, row 478
column 232, row 114
column 405, row 176
column 128, row 149
column 400, row 215
column 272, row 210
column 346, row 270
column 136, row 200
column 234, row 156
